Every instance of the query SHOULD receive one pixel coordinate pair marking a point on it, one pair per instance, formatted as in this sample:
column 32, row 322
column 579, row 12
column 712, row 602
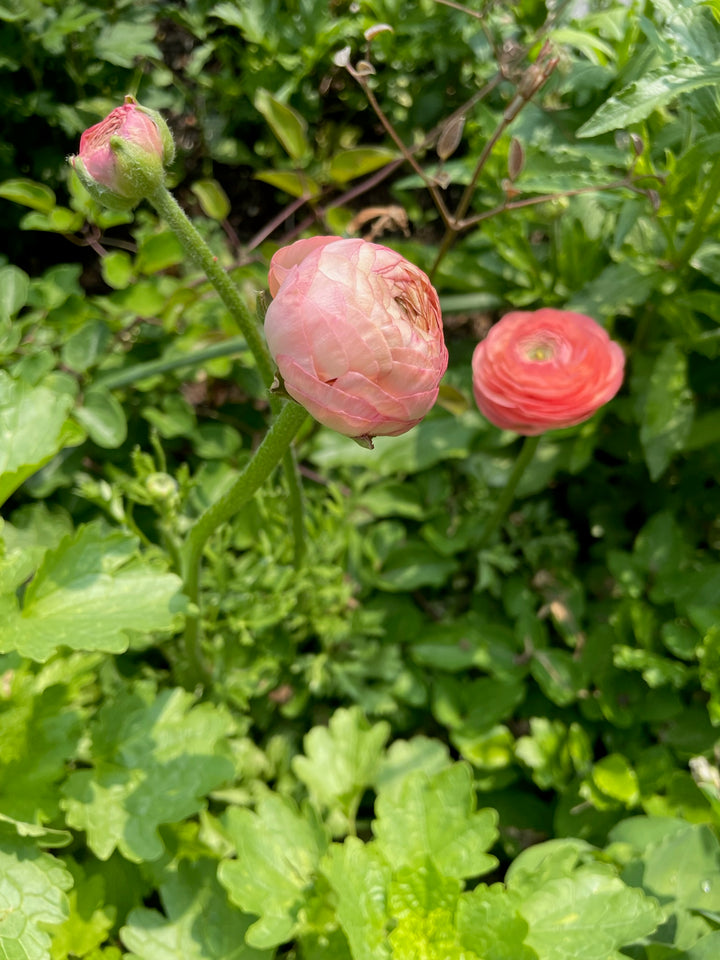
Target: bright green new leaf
column 29, row 194
column 32, row 898
column 341, row 761
column 667, row 411
column 91, row 916
column 296, row 183
column 613, row 777
column 33, row 428
column 87, row 594
column 287, row 124
column 434, row 818
column 198, row 924
column 278, row 852
column 155, row 759
column 656, row 89
column 360, row 878
column 158, row 252
column 489, row 923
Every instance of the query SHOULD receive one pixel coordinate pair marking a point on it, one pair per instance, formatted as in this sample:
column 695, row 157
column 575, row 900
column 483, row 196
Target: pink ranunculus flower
column 122, row 159
column 542, row 370
column 356, row 332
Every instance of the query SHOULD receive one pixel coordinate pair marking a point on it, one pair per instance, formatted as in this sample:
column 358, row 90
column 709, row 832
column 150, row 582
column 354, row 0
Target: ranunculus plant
column 356, row 332
column 541, row 370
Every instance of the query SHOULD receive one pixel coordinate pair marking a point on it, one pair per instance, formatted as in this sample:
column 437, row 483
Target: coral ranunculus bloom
column 542, row 370
column 356, row 332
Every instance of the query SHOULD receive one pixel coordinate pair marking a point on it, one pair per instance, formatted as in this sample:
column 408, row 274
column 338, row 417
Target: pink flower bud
column 356, row 332
column 122, row 158
column 542, row 370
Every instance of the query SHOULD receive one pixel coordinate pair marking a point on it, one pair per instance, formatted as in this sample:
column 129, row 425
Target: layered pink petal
column 356, row 332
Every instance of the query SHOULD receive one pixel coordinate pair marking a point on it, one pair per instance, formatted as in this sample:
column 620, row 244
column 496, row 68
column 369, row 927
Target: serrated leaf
column 32, row 897
column 32, row 429
column 28, row 193
column 360, row 878
column 120, row 43
column 357, row 161
column 87, row 594
column 656, row 89
column 287, row 124
column 341, row 761
column 434, row 818
column 667, row 411
column 278, row 853
column 90, row 917
column 489, row 923
column 155, row 759
column 590, row 914
column 102, row 415
column 198, row 923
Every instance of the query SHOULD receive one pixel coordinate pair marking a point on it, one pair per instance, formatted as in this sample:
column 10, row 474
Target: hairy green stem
column 196, row 248
column 271, row 451
column 506, row 498
column 114, row 379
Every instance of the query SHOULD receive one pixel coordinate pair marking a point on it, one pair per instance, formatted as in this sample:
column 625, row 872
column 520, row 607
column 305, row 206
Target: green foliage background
column 413, row 745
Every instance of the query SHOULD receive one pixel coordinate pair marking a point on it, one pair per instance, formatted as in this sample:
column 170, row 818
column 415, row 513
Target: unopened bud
column 122, row 159
column 450, row 137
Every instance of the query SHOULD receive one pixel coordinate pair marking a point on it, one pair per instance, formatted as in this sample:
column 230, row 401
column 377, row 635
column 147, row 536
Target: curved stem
column 507, row 496
column 270, row 452
column 196, row 248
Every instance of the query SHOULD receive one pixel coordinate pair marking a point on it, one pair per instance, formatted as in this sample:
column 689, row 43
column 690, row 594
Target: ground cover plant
column 434, row 672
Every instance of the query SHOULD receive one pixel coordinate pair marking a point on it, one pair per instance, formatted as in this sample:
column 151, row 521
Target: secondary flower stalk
column 356, row 332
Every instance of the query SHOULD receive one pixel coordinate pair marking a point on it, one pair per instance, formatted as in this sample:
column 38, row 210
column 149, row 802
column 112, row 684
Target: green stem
column 295, row 506
column 114, row 379
column 697, row 234
column 506, row 497
column 196, row 248
column 270, row 452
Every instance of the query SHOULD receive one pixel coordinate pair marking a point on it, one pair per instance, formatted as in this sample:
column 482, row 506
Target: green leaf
column 40, row 729
column 654, row 90
column 296, row 183
column 590, row 914
column 155, row 759
column 90, row 919
column 58, row 220
column 212, row 198
column 422, row 904
column 87, row 594
column 558, row 675
column 29, row 194
column 102, row 415
column 667, row 411
column 360, row 878
column 122, row 42
column 117, row 269
column 613, row 777
column 278, row 853
column 489, row 923
column 341, row 761
column 32, row 897
column 198, row 922
column 158, row 252
column 86, row 346
column 33, row 427
column 287, row 124
column 357, row 161
column 434, row 818
column 684, row 868
column 14, row 286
